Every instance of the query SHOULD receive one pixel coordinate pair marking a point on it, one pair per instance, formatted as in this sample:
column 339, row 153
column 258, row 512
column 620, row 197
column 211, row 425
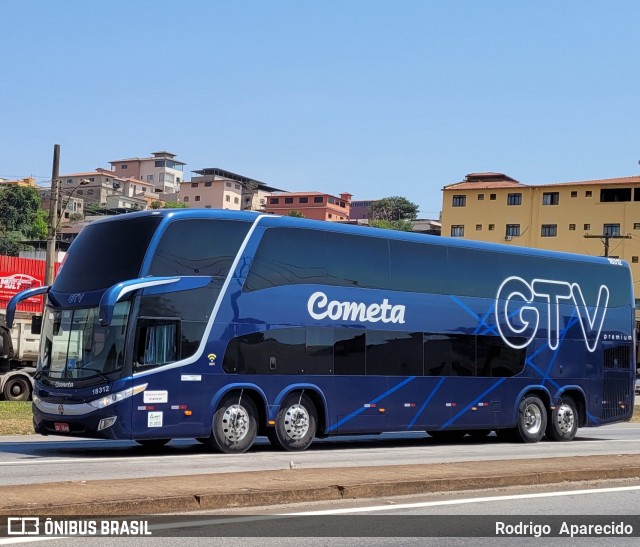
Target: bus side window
column 157, row 342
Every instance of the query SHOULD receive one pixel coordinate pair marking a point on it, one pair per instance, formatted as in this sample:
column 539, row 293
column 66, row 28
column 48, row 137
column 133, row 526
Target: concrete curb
column 226, row 490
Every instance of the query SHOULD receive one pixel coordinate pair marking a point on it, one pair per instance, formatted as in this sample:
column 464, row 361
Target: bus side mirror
column 36, row 324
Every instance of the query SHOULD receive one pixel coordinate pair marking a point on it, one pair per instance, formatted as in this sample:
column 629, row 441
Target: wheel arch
column 579, row 398
column 256, row 394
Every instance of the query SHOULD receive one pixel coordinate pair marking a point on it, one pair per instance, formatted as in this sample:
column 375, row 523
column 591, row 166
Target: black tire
column 563, row 421
column 450, row 435
column 532, row 420
column 296, row 424
column 152, row 443
column 17, row 388
column 235, row 425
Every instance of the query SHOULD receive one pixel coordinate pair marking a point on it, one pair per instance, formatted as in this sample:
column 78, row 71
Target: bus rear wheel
column 563, row 422
column 532, row 420
column 296, row 423
column 235, row 425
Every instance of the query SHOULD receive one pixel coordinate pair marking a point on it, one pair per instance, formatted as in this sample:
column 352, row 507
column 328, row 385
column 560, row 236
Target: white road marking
column 465, row 501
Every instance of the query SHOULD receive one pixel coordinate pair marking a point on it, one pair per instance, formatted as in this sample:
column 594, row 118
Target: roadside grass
column 15, row 418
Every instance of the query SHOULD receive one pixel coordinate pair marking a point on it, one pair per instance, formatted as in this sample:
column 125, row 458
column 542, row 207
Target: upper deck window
column 198, row 247
column 105, row 253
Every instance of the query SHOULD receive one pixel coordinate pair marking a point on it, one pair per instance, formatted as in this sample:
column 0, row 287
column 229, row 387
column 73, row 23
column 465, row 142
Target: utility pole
column 605, row 240
column 53, row 218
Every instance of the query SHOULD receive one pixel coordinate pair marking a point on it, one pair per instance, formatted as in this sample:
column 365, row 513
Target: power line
column 605, row 239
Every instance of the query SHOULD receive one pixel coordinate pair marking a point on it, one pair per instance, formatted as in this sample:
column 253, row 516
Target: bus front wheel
column 563, row 422
column 532, row 420
column 296, row 423
column 235, row 425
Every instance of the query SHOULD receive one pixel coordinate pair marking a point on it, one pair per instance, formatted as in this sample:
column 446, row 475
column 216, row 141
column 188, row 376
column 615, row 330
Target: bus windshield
column 75, row 345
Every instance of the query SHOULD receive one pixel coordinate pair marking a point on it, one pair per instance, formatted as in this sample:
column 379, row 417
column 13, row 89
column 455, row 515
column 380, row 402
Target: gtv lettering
column 518, row 315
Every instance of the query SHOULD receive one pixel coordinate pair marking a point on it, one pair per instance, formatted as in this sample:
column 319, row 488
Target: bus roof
column 294, row 222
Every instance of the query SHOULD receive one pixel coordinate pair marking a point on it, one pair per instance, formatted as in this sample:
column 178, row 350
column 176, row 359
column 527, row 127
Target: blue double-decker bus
column 221, row 326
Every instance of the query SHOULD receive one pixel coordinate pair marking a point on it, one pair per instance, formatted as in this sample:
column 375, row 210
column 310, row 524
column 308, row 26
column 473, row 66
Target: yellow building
column 494, row 207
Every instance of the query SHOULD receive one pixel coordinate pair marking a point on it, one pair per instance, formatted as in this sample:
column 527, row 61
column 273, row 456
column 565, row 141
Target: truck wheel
column 532, row 420
column 296, row 424
column 563, row 422
column 235, row 425
column 17, row 388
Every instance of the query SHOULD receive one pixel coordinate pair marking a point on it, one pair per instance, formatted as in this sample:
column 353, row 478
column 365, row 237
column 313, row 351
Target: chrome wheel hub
column 296, row 422
column 566, row 418
column 532, row 419
column 235, row 423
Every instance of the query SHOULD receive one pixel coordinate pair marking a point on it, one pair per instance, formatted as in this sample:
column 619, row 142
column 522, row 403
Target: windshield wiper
column 97, row 373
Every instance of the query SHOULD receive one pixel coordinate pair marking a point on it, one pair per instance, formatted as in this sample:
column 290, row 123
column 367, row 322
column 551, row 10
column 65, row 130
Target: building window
column 228, row 184
column 588, row 194
column 304, row 200
column 227, row 197
column 149, row 178
column 237, row 187
column 615, row 194
column 492, row 197
column 549, row 230
column 572, row 226
column 611, row 229
column 288, row 200
column 330, row 215
column 457, row 231
column 318, row 199
column 90, row 192
column 194, row 185
column 480, row 197
column 492, row 227
column 550, row 198
column 274, row 201
column 587, row 227
column 208, row 184
column 459, row 201
column 197, row 198
column 513, row 230
column 574, row 193
column 636, row 225
column 343, row 205
column 123, row 166
column 514, row 199
column 80, row 192
column 159, row 163
column 634, row 259
column 186, row 199
column 236, row 200
column 207, row 206
column 478, row 227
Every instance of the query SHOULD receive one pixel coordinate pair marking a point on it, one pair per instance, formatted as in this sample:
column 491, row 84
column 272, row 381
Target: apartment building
column 495, row 207
column 359, row 210
column 314, row 205
column 27, row 182
column 101, row 188
column 161, row 169
column 215, row 188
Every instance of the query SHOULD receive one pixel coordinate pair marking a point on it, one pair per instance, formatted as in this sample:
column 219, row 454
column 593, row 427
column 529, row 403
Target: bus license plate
column 62, row 428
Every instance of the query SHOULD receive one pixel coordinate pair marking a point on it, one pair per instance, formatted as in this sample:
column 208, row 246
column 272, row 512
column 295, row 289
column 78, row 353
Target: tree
column 392, row 209
column 297, row 214
column 20, row 218
column 402, row 225
column 155, row 204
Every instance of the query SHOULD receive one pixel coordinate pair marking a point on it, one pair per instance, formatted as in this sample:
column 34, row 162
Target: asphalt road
column 35, row 459
column 409, row 520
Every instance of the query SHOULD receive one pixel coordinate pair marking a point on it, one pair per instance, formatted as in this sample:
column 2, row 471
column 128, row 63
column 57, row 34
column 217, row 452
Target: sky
column 375, row 98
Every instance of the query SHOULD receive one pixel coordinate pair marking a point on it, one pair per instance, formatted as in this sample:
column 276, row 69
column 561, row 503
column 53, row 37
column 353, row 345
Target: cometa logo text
column 320, row 307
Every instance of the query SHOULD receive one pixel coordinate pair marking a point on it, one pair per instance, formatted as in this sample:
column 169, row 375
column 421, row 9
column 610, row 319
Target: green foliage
column 156, row 204
column 297, row 214
column 174, row 205
column 393, row 208
column 20, row 218
column 75, row 217
column 402, row 225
